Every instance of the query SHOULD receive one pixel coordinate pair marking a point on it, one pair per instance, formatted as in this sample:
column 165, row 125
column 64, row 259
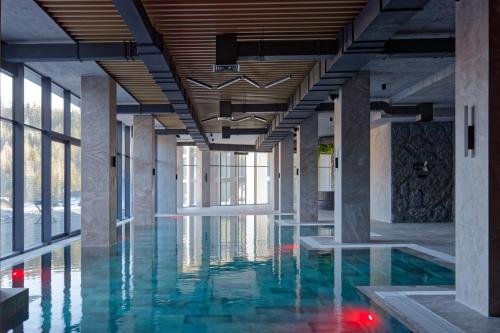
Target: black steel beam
column 286, row 50
column 171, row 132
column 152, row 51
column 82, row 51
column 359, row 42
column 228, row 131
column 144, row 109
column 232, row 147
column 258, row 108
column 311, row 50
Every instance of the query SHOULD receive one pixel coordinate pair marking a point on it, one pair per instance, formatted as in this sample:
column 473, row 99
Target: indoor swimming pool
column 214, row 274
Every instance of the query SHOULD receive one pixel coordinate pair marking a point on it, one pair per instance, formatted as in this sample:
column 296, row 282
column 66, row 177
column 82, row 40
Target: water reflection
column 243, row 273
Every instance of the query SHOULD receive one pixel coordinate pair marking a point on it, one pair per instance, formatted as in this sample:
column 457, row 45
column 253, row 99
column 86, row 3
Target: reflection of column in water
column 67, row 287
column 380, row 267
column 96, row 289
column 46, row 277
column 167, row 255
column 337, row 273
column 296, row 249
column 144, row 268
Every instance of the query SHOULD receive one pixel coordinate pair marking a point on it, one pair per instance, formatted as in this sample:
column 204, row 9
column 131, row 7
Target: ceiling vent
column 226, row 55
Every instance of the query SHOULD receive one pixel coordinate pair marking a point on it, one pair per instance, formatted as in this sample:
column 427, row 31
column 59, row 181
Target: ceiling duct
column 227, row 61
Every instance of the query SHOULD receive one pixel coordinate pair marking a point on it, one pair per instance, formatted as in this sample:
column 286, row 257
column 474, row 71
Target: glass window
column 32, row 99
column 6, row 93
column 325, row 176
column 76, row 174
column 250, row 178
column 32, row 187
column 75, row 117
column 263, row 177
column 189, row 175
column 57, row 101
column 6, row 186
column 57, row 188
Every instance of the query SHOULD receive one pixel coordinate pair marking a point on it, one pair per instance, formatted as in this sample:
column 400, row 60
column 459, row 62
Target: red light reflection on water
column 349, row 320
column 287, row 248
column 17, row 274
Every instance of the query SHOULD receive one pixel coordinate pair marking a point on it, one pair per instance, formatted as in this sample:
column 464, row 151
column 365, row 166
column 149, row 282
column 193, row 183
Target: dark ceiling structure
column 268, row 63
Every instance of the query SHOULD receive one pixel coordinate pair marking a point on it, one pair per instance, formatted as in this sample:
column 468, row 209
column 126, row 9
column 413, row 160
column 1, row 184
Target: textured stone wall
column 420, row 195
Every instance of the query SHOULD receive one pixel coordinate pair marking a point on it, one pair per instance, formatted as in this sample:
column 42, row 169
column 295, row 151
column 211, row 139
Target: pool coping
column 437, row 257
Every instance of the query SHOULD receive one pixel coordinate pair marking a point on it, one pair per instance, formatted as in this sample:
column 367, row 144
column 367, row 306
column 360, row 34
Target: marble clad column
column 286, row 174
column 143, row 194
column 98, row 144
column 352, row 149
column 477, row 189
column 166, row 164
column 307, row 157
column 276, row 177
column 203, row 193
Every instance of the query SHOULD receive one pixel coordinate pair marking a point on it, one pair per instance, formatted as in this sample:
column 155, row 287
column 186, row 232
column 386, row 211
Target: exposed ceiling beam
column 425, row 83
column 258, row 108
column 228, row 131
column 21, row 53
column 310, row 50
column 171, row 132
column 144, row 109
column 152, row 51
column 231, row 147
column 371, row 29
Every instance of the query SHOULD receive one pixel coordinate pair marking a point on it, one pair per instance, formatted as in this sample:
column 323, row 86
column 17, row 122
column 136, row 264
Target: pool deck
column 429, row 309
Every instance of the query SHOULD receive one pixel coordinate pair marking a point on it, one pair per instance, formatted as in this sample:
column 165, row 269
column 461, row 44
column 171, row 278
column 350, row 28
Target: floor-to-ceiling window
column 40, row 165
column 240, row 178
column 325, row 176
column 32, row 160
column 189, row 175
column 122, row 171
column 75, row 165
column 6, row 166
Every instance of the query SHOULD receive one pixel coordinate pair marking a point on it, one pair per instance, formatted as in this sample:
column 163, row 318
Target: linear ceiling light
column 260, row 119
column 199, row 83
column 273, row 83
column 252, row 82
column 229, row 82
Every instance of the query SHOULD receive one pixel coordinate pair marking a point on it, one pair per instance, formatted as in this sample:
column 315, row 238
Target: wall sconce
column 469, row 144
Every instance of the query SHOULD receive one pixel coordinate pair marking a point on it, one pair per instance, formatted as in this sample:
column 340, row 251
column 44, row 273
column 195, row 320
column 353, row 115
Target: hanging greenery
column 326, row 149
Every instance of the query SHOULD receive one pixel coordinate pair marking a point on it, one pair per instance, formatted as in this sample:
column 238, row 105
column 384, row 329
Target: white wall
column 380, row 173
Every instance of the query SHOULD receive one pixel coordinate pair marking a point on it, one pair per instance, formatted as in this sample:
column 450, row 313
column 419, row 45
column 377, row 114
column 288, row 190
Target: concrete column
column 307, row 157
column 203, row 199
column 286, row 174
column 276, row 177
column 352, row 149
column 166, row 167
column 477, row 189
column 143, row 141
column 98, row 150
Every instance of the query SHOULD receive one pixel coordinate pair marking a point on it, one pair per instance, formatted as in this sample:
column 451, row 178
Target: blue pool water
column 214, row 274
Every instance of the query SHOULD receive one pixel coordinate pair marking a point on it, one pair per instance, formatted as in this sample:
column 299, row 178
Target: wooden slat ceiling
column 99, row 21
column 189, row 28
